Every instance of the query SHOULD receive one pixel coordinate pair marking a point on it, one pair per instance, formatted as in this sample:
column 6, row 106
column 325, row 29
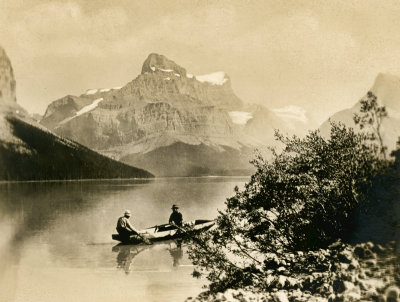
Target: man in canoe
column 176, row 216
column 124, row 226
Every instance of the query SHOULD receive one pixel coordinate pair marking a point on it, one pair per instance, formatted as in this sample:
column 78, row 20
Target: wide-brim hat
column 174, row 206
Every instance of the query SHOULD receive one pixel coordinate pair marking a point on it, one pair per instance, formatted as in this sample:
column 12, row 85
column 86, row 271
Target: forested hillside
column 41, row 155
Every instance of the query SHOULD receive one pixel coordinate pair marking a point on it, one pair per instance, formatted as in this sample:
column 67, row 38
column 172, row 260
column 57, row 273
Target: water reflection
column 127, row 253
column 57, row 231
column 176, row 253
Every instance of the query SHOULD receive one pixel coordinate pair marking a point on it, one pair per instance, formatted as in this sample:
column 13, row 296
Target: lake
column 56, row 238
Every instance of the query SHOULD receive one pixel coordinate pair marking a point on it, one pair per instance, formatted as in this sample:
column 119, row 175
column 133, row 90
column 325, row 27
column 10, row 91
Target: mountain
column 387, row 89
column 168, row 121
column 29, row 151
column 7, row 80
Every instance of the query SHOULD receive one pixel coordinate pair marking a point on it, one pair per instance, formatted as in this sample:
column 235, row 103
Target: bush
column 302, row 199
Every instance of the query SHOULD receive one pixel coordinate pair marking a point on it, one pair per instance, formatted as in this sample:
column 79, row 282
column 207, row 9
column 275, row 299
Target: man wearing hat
column 124, row 227
column 176, row 216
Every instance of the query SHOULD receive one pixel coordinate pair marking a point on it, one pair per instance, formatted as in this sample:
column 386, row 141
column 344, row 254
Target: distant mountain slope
column 387, row 89
column 181, row 159
column 164, row 107
column 29, row 151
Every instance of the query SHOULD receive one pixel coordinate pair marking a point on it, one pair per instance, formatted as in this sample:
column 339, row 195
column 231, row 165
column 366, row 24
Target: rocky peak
column 387, row 88
column 7, row 81
column 156, row 62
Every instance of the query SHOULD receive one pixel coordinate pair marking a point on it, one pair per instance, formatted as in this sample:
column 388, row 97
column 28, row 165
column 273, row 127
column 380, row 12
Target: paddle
column 179, row 228
column 182, row 229
column 145, row 240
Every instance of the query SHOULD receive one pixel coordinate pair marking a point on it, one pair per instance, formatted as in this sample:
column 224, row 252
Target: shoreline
column 122, row 179
column 362, row 272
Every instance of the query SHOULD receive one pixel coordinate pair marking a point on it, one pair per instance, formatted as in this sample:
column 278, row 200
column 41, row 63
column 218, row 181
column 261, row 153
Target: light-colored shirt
column 124, row 223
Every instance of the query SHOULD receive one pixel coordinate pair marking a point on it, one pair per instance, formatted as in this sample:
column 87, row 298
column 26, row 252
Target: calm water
column 56, row 239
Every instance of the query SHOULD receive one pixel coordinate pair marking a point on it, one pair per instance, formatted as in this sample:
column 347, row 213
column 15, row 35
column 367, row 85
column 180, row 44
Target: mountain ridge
column 162, row 106
column 387, row 89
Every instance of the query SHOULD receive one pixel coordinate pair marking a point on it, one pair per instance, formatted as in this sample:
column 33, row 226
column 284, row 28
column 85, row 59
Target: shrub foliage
column 302, row 199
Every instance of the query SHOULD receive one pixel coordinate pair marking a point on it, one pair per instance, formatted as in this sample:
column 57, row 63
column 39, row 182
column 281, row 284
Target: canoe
column 165, row 231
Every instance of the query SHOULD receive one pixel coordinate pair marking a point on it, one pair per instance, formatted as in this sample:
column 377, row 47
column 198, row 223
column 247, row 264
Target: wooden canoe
column 165, row 231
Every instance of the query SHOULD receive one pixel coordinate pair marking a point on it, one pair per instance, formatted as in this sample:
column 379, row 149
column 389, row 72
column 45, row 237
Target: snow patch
column 189, row 75
column 165, row 70
column 89, row 107
column 177, row 75
column 167, row 78
column 216, row 78
column 153, row 68
column 292, row 112
column 91, row 91
column 85, row 109
column 240, row 117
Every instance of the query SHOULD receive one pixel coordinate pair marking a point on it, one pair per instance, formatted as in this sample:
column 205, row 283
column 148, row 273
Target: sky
column 322, row 56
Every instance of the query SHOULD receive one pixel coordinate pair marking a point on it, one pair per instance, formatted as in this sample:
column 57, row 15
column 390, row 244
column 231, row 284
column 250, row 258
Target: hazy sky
column 320, row 55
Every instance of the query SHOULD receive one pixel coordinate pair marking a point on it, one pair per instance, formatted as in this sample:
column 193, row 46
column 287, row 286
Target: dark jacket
column 176, row 217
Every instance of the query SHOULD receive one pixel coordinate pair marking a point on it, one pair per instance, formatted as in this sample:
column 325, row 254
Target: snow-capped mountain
column 29, row 151
column 387, row 89
column 180, row 121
